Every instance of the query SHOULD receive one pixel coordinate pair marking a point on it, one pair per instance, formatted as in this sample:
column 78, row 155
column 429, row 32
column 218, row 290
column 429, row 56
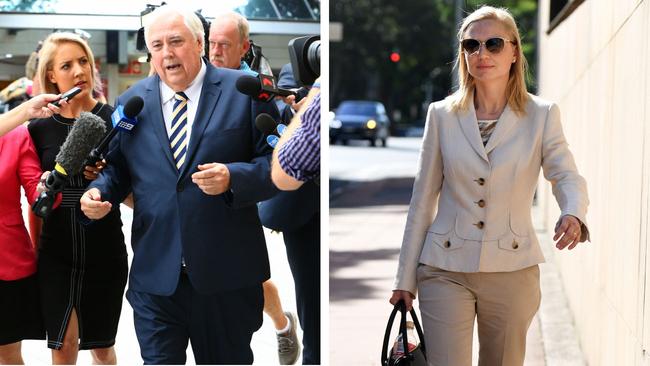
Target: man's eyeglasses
column 493, row 45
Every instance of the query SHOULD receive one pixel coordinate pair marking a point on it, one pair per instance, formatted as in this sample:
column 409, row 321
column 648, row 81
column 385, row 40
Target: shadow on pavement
column 359, row 259
column 391, row 191
column 342, row 289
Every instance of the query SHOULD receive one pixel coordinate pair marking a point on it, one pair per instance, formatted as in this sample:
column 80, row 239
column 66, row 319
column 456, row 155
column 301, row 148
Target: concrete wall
column 595, row 66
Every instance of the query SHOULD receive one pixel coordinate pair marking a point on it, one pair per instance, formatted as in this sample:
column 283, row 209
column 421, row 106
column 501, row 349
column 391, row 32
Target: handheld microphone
column 86, row 133
column 267, row 125
column 68, row 95
column 123, row 119
column 262, row 88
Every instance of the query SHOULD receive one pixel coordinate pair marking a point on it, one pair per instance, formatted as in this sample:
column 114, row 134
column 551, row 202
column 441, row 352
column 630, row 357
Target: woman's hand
column 570, row 229
column 402, row 295
column 40, row 106
column 40, row 188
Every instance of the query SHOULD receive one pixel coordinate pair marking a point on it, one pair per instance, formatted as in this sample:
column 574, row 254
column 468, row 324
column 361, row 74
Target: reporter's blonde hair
column 48, row 52
column 516, row 93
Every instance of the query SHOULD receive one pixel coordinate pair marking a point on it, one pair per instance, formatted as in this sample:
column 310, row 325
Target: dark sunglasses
column 493, row 45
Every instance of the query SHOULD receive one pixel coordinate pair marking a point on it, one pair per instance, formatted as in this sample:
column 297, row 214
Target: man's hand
column 92, row 172
column 212, row 179
column 93, row 206
column 291, row 100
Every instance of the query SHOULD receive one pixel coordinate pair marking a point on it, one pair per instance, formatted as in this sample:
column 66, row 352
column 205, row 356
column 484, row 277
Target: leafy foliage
column 423, row 32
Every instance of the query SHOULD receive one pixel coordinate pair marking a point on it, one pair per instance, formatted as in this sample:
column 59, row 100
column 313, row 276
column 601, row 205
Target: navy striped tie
column 178, row 138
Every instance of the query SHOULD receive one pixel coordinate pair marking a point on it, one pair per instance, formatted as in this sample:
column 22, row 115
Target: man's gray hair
column 190, row 19
column 242, row 23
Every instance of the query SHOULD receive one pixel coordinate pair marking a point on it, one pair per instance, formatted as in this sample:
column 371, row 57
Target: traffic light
column 394, row 56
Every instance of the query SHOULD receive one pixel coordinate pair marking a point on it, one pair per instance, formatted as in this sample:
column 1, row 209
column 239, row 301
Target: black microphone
column 267, row 125
column 123, row 120
column 84, row 135
column 67, row 95
column 262, row 88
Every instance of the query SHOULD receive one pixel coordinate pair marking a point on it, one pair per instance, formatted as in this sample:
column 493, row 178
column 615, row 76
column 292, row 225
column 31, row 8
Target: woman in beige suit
column 469, row 245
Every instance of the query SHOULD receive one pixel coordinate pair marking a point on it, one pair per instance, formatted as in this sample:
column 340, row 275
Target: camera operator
column 296, row 213
column 296, row 158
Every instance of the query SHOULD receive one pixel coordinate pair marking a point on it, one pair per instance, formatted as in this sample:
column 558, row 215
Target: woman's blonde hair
column 48, row 52
column 517, row 95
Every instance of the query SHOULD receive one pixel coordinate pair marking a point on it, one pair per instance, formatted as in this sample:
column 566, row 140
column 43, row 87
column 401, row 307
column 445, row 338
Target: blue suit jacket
column 220, row 237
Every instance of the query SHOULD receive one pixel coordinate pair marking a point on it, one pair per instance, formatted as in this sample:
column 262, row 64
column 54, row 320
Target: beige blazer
column 471, row 205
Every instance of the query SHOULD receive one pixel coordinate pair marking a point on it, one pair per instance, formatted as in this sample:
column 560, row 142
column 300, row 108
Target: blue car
column 360, row 120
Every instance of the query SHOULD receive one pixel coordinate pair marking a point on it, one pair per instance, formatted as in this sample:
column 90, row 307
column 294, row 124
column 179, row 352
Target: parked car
column 360, row 120
column 416, row 129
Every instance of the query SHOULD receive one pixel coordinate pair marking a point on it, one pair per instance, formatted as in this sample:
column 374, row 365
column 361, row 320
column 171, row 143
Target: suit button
column 480, row 181
column 480, row 203
column 179, row 188
column 447, row 244
column 480, row 224
column 515, row 245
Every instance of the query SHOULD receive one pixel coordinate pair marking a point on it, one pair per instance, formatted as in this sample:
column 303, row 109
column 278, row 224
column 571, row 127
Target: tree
column 424, row 34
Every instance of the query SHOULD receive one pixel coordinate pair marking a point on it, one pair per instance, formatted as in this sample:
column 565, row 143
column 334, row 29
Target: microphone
column 86, row 133
column 123, row 119
column 267, row 125
column 262, row 88
column 68, row 95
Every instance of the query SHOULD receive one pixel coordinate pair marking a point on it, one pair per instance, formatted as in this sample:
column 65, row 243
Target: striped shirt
column 486, row 127
column 299, row 157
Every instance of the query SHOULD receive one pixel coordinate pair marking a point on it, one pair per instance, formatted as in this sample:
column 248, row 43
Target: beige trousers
column 504, row 304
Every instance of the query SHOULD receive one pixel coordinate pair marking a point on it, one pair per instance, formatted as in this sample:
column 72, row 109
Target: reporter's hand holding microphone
column 40, row 106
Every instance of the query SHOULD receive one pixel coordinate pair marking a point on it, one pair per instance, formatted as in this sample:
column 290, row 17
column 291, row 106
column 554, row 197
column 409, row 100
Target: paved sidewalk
column 366, row 226
column 264, row 343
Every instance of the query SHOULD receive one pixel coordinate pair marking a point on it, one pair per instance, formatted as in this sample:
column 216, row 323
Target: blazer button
column 480, row 203
column 480, row 224
column 515, row 245
column 480, row 181
column 179, row 188
column 447, row 244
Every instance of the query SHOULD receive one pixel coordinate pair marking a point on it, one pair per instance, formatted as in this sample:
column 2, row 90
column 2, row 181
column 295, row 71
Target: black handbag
column 414, row 357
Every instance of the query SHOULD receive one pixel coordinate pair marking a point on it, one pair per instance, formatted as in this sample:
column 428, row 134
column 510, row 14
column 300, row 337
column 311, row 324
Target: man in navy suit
column 197, row 166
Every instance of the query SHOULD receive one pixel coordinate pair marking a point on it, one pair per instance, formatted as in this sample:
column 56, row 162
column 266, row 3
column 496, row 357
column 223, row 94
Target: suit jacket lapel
column 469, row 125
column 506, row 122
column 154, row 111
column 210, row 93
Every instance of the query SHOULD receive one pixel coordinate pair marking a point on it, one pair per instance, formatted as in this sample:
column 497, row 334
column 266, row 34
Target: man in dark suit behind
column 197, row 166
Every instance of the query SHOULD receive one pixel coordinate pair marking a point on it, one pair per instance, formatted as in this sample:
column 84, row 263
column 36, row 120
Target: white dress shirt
column 193, row 93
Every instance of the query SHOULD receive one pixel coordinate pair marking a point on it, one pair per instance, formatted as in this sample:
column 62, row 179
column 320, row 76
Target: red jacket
column 19, row 166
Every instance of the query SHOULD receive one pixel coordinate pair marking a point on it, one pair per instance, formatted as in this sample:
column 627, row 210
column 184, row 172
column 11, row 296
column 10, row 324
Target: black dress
column 81, row 267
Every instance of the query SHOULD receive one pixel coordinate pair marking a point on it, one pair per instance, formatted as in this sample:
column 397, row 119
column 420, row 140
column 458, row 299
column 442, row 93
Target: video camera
column 304, row 53
column 256, row 60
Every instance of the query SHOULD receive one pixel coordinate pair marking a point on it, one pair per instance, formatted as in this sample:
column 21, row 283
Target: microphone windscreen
column 86, row 133
column 265, row 123
column 249, row 85
column 133, row 106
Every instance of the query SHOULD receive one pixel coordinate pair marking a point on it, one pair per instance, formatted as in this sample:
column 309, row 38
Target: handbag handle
column 401, row 307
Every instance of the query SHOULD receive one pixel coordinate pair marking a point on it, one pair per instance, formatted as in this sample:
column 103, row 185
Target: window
column 560, row 10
